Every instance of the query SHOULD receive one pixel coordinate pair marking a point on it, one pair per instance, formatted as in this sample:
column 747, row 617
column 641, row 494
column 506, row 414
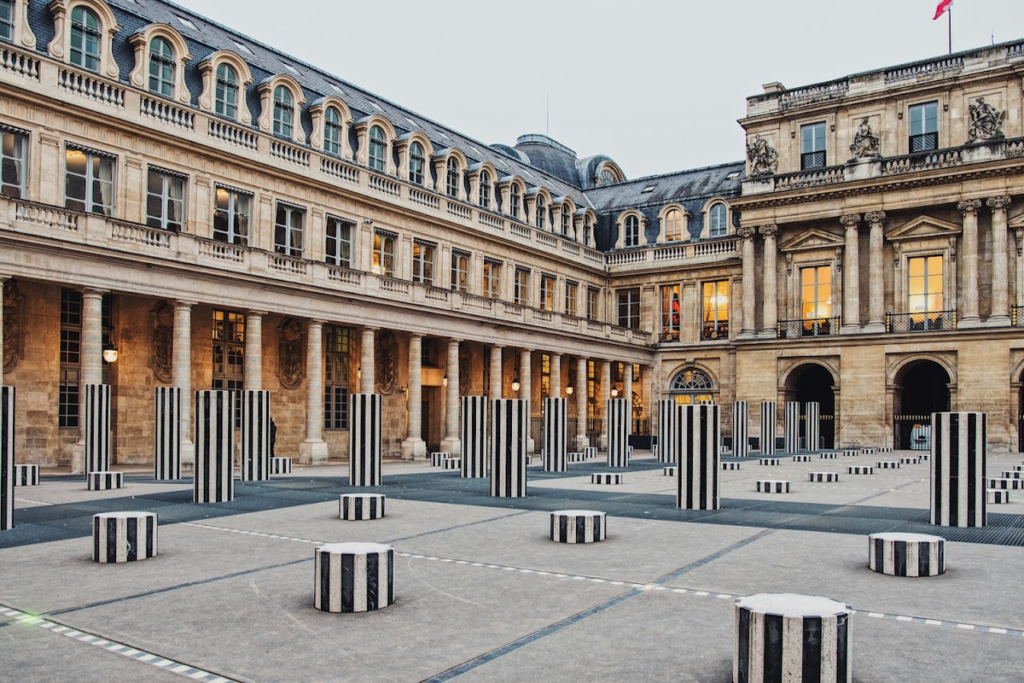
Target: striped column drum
column 1006, row 484
column 438, row 457
column 899, row 554
column 1005, row 474
column 768, row 416
column 364, row 434
column 510, row 422
column 670, row 470
column 958, row 469
column 885, row 449
column 828, row 456
column 123, row 537
column 772, row 486
column 167, row 433
column 823, row 476
column 353, row 577
column 452, row 464
column 26, row 475
column 578, row 526
column 788, row 637
column 887, row 464
column 768, row 462
column 698, row 450
column 575, row 457
column 850, row 453
column 791, row 427
column 740, row 429
column 606, row 478
column 104, row 481
column 812, row 425
column 280, row 465
column 215, row 447
column 998, row 497
column 590, row 452
column 361, row 506
column 867, row 451
column 617, row 414
column 668, row 421
column 473, row 432
column 556, row 412
column 801, row 458
column 729, row 466
column 97, row 427
column 255, row 435
column 860, row 469
column 6, row 458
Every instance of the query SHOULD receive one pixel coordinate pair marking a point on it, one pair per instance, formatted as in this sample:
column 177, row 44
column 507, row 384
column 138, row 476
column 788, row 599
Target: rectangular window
column 593, row 296
column 231, row 216
column 288, row 230
column 229, row 356
column 338, row 246
column 70, row 358
column 591, row 390
column 165, row 200
column 816, row 292
column 670, row 313
column 460, row 271
column 571, row 299
column 383, row 253
column 88, row 182
column 423, row 262
column 924, row 127
column 545, row 376
column 716, row 310
column 812, row 145
column 925, row 285
column 6, row 20
column 629, row 308
column 492, row 279
column 336, row 368
column 13, row 163
column 547, row 292
column 522, row 290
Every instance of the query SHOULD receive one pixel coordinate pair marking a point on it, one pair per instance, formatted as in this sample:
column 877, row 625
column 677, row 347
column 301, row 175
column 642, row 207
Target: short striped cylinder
column 769, row 462
column 575, row 457
column 364, row 440
column 1011, row 474
column 998, row 496
column 828, row 456
column 255, row 435
column 438, row 457
column 867, row 451
column 578, row 526
column 452, row 464
column 104, row 481
column 860, row 469
column 822, row 477
column 1018, row 468
column 6, row 458
column 353, row 577
column 769, row 410
column 697, row 448
column 898, row 554
column 888, row 464
column 667, row 421
column 787, row 637
column 772, row 486
column 617, row 418
column 850, row 453
column 215, row 447
column 885, row 449
column 730, row 466
column 510, row 423
column 791, row 427
column 167, row 433
column 96, row 421
column 1006, row 484
column 26, row 475
column 361, row 506
column 280, row 465
column 606, row 478
column 670, row 470
column 910, row 460
column 812, row 426
column 556, row 411
column 123, row 537
column 740, row 429
column 801, row 458
column 590, row 452
column 473, row 435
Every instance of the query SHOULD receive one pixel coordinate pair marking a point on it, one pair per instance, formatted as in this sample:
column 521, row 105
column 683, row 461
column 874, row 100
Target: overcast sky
column 655, row 84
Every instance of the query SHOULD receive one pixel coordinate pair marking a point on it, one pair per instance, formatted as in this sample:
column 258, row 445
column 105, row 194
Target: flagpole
column 949, row 13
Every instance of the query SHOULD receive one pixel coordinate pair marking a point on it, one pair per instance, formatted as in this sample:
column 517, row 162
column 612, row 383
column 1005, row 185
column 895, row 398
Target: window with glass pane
column 161, row 67
column 673, row 225
column 925, row 287
column 812, row 145
column 540, row 217
column 423, row 262
column 165, row 200
column 692, row 387
column 514, row 201
column 586, row 231
column 332, row 131
column 377, row 148
column 716, row 310
column 229, row 356
column 924, row 127
column 460, row 271
column 453, row 177
column 485, row 189
column 336, row 370
column 591, row 390
column 417, row 162
column 284, row 112
column 13, row 163
column 6, row 20
column 522, row 288
column 566, row 220
column 629, row 308
column 571, row 299
column 339, row 241
column 85, row 39
column 383, row 254
column 226, row 96
column 547, row 292
column 816, row 292
column 89, row 182
column 718, row 216
column 545, row 375
column 632, row 238
column 288, row 230
column 231, row 216
column 492, row 279
column 70, row 358
column 592, row 303
column 670, row 313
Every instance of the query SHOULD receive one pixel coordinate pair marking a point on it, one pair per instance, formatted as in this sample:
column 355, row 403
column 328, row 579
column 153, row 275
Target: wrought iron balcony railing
column 929, row 321
column 1017, row 315
column 810, row 327
column 715, row 330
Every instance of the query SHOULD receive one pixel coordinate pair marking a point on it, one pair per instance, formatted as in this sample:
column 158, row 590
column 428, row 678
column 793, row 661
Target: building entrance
column 922, row 388
column 813, row 382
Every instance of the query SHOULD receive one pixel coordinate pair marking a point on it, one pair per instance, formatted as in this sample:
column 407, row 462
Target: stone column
column 3, row 278
column 606, row 394
column 1000, row 314
column 314, row 450
column 627, row 393
column 770, row 288
column 495, row 389
column 969, row 262
column 181, row 375
column 366, row 371
column 555, row 377
column 414, row 448
column 253, row 374
column 876, row 292
column 526, row 392
column 747, row 331
column 582, row 441
column 91, row 364
column 451, row 442
column 851, row 268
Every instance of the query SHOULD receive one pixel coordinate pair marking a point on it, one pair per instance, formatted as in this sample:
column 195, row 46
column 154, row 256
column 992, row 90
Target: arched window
column 673, row 225
column 284, row 112
column 718, row 214
column 452, row 177
column 566, row 220
column 632, row 237
column 161, row 67
column 541, row 213
column 417, row 162
column 85, row 39
column 377, row 147
column 332, row 131
column 226, row 97
column 514, row 201
column 485, row 189
column 692, row 386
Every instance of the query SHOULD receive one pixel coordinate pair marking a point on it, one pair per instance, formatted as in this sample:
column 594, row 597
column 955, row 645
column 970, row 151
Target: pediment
column 811, row 239
column 923, row 227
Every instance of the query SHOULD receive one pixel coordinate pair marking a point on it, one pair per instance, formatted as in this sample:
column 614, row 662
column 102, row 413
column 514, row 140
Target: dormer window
column 718, row 218
column 514, row 201
column 673, row 225
column 452, row 178
column 632, row 238
column 417, row 163
column 586, row 231
column 85, row 39
column 284, row 112
column 542, row 210
column 226, row 97
column 161, row 67
column 377, row 147
column 485, row 189
column 332, row 131
column 6, row 20
column 566, row 220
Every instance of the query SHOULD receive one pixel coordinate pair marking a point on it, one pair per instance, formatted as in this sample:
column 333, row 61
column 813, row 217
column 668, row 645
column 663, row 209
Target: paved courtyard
column 484, row 595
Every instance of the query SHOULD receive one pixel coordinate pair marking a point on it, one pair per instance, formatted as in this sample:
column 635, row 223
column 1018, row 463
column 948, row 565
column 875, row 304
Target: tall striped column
column 769, row 410
column 958, row 469
column 167, row 433
column 740, row 429
column 510, row 422
column 812, row 426
column 474, row 437
column 698, row 445
column 667, row 429
column 617, row 417
column 97, row 428
column 364, row 446
column 555, row 419
column 6, row 457
column 255, row 435
column 791, row 427
column 215, row 447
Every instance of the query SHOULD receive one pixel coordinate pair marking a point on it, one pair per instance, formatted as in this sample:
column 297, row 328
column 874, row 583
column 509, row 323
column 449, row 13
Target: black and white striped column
column 124, row 537
column 668, row 421
column 474, row 437
column 280, row 465
column 353, row 577
column 364, row 451
column 215, row 447
column 361, row 506
column 791, row 427
column 768, row 417
column 510, row 422
column 255, row 435
column 698, row 448
column 555, row 419
column 740, row 429
column 6, row 458
column 617, row 414
column 899, row 554
column 26, row 475
column 788, row 637
column 958, row 457
column 578, row 526
column 167, row 434
column 104, row 481
column 97, row 427
column 812, row 426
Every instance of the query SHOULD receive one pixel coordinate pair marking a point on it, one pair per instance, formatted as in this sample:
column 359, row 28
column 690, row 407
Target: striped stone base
column 850, row 453
column 1011, row 474
column 437, row 459
column 860, row 469
column 103, row 481
column 828, row 456
column 353, row 577
column 578, row 526
column 123, row 536
column 823, row 477
column 772, row 486
column 26, row 475
column 612, row 478
column 906, row 554
column 801, row 458
column 998, row 496
column 730, row 465
column 451, row 464
column 888, row 464
column 590, row 452
column 867, row 451
column 575, row 457
column 910, row 460
column 885, row 449
column 768, row 461
column 361, row 506
column 1006, row 484
column 280, row 465
column 670, row 471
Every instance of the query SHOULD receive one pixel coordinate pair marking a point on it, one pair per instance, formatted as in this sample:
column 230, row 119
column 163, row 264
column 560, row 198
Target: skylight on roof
column 244, row 48
column 292, row 69
column 733, row 176
column 376, row 106
column 411, row 122
column 184, row 22
column 649, row 188
column 336, row 89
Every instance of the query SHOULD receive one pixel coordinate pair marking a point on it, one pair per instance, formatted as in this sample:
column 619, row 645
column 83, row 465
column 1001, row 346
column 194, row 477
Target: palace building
column 183, row 206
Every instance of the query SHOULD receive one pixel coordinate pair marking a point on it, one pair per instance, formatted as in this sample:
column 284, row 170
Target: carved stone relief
column 986, row 121
column 162, row 359
column 386, row 362
column 764, row 160
column 12, row 324
column 291, row 362
column 865, row 142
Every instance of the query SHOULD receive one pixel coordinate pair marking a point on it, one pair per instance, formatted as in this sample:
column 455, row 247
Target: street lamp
column 444, row 380
column 568, row 390
column 110, row 353
column 515, row 384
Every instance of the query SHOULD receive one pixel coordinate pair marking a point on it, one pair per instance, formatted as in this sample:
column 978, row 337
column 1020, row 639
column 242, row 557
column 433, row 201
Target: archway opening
column 813, row 382
column 922, row 389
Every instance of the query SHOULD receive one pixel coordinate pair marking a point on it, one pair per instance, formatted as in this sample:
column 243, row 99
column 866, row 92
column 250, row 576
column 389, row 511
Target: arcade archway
column 813, row 382
column 922, row 388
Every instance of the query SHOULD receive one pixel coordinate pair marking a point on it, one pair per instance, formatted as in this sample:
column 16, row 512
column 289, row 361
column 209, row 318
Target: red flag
column 941, row 9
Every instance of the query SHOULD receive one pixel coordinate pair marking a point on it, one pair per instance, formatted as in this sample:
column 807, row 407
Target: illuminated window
column 593, row 297
column 925, row 286
column 571, row 299
column 492, row 279
column 670, row 313
column 229, row 356
column 231, row 216
column 336, row 369
column 716, row 310
column 89, row 182
column 13, row 163
column 547, row 292
column 673, row 225
column 383, row 254
column 692, row 386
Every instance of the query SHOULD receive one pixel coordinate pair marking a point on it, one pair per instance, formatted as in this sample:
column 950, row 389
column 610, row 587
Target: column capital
column 416, row 335
column 181, row 303
column 747, row 232
column 370, row 328
column 874, row 217
column 969, row 206
column 256, row 312
column 94, row 291
column 770, row 230
column 316, row 322
column 998, row 203
column 454, row 340
column 850, row 220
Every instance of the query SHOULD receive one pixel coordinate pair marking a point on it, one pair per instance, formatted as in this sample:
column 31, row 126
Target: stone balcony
column 673, row 255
